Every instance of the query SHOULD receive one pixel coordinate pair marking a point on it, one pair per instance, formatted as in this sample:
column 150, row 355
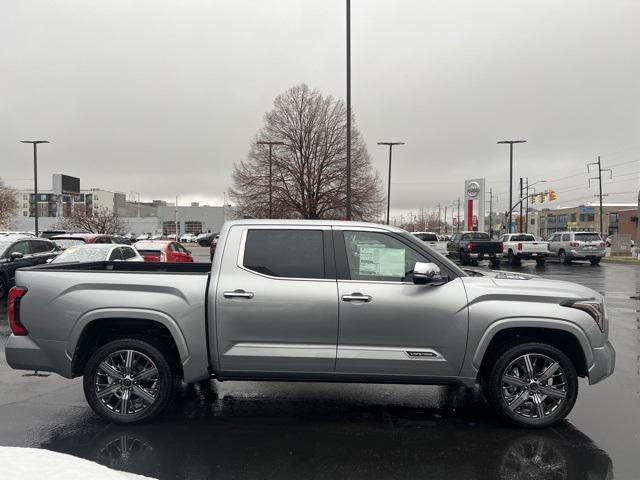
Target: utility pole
column 510, row 142
column 600, row 195
column 491, row 197
column 458, row 218
column 35, row 177
column 439, row 227
column 391, row 144
column 526, row 226
column 348, row 109
column 445, row 218
column 271, row 144
column 175, row 219
column 520, row 219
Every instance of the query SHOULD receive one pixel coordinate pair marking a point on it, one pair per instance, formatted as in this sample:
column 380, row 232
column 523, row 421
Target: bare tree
column 8, row 204
column 101, row 221
column 309, row 170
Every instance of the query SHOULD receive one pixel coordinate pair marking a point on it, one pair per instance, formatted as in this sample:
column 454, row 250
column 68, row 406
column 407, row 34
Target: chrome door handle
column 356, row 297
column 238, row 294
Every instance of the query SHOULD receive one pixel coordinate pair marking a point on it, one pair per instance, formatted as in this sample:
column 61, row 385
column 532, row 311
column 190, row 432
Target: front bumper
column 604, row 362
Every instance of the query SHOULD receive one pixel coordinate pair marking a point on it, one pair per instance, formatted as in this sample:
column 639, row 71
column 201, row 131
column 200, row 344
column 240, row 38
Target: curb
column 629, row 260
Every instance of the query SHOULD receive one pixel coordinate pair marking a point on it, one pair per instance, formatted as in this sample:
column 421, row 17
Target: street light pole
column 35, row 176
column 271, row 144
column 510, row 142
column 391, row 144
column 349, row 111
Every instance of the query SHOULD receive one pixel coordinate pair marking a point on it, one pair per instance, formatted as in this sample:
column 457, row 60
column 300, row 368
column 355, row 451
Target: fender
column 550, row 323
column 137, row 313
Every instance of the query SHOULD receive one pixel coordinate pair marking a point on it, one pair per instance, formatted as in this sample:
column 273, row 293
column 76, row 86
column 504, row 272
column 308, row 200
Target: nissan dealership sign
column 474, row 205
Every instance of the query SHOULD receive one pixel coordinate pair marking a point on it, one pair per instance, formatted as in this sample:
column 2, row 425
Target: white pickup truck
column 433, row 240
column 524, row 246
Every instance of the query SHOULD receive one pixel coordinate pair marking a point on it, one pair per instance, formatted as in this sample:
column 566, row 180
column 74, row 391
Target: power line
column 600, row 194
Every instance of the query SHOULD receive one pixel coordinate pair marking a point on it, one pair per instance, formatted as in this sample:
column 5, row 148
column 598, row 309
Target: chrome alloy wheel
column 534, row 385
column 127, row 382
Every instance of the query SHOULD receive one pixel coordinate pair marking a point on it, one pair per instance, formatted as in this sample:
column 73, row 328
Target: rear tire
column 128, row 388
column 540, row 262
column 495, row 262
column 522, row 395
column 513, row 260
column 463, row 258
column 594, row 260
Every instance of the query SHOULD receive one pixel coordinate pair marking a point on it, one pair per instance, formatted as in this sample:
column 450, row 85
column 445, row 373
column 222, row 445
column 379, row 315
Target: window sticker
column 382, row 262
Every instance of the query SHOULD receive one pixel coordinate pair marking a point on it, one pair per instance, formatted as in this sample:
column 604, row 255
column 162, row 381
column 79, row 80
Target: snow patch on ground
column 28, row 463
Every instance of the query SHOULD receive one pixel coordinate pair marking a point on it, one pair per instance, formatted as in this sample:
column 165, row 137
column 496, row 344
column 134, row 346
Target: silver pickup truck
column 311, row 301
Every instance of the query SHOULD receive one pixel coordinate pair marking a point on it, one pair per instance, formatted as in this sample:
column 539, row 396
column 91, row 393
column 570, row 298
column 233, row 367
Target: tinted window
column 377, row 256
column 116, row 254
column 41, row 247
column 475, row 236
column 588, row 237
column 285, row 253
column 523, row 238
column 22, row 247
column 127, row 253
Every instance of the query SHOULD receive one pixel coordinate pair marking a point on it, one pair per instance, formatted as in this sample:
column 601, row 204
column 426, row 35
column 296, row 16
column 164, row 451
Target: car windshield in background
column 588, row 237
column 523, row 238
column 68, row 242
column 85, row 253
column 427, row 237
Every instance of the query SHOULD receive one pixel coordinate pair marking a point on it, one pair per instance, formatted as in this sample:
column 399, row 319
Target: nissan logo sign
column 473, row 189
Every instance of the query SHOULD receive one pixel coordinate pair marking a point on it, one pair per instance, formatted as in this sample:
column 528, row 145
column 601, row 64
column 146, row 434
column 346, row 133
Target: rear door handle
column 356, row 297
column 238, row 294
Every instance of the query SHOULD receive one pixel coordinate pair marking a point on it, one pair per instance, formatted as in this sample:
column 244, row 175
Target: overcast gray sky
column 162, row 97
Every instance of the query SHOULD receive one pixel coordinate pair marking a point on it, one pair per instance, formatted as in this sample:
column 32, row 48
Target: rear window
column 427, row 237
column 68, row 242
column 588, row 237
column 285, row 253
column 476, row 236
column 523, row 238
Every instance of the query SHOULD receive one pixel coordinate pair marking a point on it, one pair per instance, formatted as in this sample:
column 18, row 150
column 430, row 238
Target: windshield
column 588, row 237
column 87, row 253
column 68, row 242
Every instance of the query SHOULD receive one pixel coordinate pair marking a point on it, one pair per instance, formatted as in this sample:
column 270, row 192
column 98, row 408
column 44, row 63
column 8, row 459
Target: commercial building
column 584, row 217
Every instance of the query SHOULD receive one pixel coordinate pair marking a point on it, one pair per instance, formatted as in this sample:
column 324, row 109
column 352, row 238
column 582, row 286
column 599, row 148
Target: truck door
column 388, row 324
column 276, row 300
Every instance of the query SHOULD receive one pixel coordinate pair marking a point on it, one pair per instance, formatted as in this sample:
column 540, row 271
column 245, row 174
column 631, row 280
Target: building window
column 591, row 217
column 573, row 217
column 169, row 228
column 193, row 227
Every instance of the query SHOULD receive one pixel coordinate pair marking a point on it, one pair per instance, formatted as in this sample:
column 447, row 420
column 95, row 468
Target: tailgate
column 534, row 247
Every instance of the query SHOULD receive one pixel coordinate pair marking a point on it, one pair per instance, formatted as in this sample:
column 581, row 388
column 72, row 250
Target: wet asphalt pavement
column 262, row 430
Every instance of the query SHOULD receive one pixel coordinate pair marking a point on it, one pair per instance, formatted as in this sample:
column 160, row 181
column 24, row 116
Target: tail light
column 574, row 244
column 163, row 257
column 15, row 294
column 548, row 247
column 520, row 247
column 470, row 247
column 501, row 248
column 601, row 244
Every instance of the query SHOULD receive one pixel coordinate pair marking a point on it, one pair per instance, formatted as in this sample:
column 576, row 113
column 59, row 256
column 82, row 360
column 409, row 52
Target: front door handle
column 238, row 294
column 356, row 297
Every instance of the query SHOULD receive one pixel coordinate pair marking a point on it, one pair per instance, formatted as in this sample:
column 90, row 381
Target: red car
column 73, row 239
column 163, row 251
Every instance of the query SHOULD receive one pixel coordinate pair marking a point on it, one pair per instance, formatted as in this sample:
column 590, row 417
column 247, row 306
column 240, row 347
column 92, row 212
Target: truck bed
column 142, row 267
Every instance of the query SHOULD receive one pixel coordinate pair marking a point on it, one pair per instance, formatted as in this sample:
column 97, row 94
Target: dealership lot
column 276, row 430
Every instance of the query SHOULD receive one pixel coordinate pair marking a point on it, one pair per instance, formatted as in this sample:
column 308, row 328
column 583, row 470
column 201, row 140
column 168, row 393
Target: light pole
column 271, row 144
column 391, row 144
column 349, row 111
column 35, row 176
column 510, row 142
column 526, row 230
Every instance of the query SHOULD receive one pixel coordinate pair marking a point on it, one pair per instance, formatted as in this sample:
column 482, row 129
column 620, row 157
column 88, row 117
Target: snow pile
column 28, row 463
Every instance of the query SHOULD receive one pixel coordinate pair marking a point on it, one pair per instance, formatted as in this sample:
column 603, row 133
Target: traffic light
column 533, row 199
column 541, row 195
column 552, row 195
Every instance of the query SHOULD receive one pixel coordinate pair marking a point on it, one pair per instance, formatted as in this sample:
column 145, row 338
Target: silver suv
column 569, row 246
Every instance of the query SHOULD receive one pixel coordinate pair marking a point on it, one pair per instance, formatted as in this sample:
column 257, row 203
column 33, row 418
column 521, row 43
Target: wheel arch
column 98, row 327
column 565, row 336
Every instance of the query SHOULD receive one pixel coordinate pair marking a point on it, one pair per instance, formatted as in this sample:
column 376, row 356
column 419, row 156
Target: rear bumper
column 604, row 362
column 26, row 353
column 532, row 255
column 585, row 253
column 480, row 256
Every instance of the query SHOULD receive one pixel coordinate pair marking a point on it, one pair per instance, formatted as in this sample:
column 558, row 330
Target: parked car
column 524, row 246
column 568, row 246
column 17, row 251
column 471, row 247
column 433, row 240
column 102, row 252
column 204, row 239
column 214, row 244
column 52, row 233
column 74, row 239
column 143, row 236
column 299, row 300
column 188, row 238
column 163, row 251
column 157, row 236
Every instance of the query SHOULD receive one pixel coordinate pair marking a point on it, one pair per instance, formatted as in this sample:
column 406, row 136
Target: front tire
column 532, row 385
column 128, row 381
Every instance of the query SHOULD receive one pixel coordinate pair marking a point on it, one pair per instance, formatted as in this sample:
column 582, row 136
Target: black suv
column 21, row 251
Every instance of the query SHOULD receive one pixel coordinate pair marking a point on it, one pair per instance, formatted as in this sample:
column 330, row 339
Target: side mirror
column 15, row 256
column 424, row 273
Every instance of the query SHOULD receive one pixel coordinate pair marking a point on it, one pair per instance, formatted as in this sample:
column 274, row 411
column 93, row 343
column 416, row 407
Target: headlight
column 595, row 308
